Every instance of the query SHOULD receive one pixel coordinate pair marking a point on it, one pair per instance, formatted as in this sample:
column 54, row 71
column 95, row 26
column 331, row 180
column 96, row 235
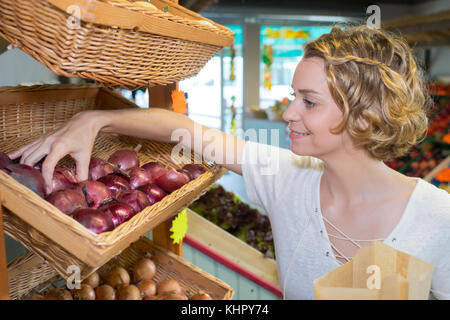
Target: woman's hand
column 76, row 138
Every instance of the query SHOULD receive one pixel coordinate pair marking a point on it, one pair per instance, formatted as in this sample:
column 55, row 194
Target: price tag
column 179, row 227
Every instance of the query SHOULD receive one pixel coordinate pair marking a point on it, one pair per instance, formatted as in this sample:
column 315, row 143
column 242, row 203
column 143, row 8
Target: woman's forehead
column 310, row 75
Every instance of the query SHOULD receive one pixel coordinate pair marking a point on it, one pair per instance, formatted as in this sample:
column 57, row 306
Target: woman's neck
column 356, row 178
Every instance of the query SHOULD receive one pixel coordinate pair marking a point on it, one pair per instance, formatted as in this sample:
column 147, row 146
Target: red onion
column 194, row 169
column 135, row 198
column 115, row 184
column 96, row 193
column 139, row 177
column 99, row 168
column 95, row 220
column 63, row 178
column 154, row 169
column 186, row 173
column 153, row 192
column 125, row 159
column 4, row 160
column 172, row 180
column 27, row 176
column 68, row 200
column 118, row 211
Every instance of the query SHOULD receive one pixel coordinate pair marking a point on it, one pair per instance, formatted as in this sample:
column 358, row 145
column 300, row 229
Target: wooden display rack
column 159, row 97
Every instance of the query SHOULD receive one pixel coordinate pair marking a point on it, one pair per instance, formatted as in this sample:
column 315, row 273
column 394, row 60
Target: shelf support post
column 4, row 291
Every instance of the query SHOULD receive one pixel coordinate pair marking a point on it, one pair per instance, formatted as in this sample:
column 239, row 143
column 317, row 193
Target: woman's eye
column 292, row 93
column 309, row 103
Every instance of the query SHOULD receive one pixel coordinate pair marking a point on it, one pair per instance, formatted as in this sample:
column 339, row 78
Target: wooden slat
column 161, row 96
column 444, row 164
column 417, row 20
column 231, row 248
column 161, row 236
column 105, row 14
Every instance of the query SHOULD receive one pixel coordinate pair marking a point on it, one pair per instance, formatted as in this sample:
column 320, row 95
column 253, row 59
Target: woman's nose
column 292, row 112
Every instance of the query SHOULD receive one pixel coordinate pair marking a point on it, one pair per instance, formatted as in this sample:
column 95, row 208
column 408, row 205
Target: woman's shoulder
column 434, row 201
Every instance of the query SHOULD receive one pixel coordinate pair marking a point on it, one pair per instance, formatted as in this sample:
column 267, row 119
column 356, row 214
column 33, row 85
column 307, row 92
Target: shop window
column 281, row 50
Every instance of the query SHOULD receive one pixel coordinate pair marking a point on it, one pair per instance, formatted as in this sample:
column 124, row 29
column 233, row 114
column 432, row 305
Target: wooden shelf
column 423, row 30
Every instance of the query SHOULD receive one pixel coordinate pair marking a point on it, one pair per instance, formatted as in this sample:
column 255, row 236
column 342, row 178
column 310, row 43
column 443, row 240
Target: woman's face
column 313, row 112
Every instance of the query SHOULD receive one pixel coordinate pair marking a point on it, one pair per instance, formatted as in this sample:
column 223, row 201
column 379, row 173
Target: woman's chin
column 300, row 150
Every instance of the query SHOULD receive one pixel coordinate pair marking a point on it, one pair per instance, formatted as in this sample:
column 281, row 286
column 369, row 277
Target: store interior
column 244, row 90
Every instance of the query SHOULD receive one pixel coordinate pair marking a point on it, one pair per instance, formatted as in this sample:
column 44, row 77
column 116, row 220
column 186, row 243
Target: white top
column 287, row 186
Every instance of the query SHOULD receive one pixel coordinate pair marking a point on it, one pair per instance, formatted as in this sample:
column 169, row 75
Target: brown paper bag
column 379, row 272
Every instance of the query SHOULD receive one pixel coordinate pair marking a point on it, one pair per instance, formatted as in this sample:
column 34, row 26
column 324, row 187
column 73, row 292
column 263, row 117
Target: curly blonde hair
column 375, row 80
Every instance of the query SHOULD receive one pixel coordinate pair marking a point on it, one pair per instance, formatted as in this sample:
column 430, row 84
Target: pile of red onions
column 116, row 190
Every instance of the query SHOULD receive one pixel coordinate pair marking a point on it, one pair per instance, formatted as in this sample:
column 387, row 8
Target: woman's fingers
column 18, row 153
column 82, row 163
column 56, row 153
column 33, row 154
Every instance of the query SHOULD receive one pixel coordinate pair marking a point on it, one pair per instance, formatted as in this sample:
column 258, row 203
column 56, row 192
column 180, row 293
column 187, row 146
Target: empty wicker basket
column 115, row 42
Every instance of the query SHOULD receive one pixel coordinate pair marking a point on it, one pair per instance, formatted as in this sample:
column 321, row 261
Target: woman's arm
column 76, row 138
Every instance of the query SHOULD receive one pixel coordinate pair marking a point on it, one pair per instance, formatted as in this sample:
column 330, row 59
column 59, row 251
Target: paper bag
column 379, row 272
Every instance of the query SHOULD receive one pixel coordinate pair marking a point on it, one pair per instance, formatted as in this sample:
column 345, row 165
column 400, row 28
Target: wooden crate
column 29, row 112
column 28, row 274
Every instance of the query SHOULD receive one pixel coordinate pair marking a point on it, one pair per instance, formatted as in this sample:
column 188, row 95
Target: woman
column 358, row 100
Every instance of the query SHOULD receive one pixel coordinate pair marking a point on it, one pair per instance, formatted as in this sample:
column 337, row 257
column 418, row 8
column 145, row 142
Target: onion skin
column 96, row 193
column 201, row 296
column 105, row 292
column 68, row 201
column 130, row 292
column 115, row 184
column 144, row 269
column 95, row 220
column 93, row 280
column 173, row 296
column 172, row 180
column 99, row 168
column 4, row 160
column 119, row 212
column 27, row 176
column 117, row 277
column 139, row 177
column 86, row 292
column 125, row 159
column 154, row 169
column 63, row 178
column 188, row 173
column 137, row 199
column 195, row 169
column 58, row 294
column 147, row 288
column 153, row 192
column 169, row 286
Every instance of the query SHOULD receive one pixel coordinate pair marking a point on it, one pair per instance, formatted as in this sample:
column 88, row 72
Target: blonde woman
column 359, row 99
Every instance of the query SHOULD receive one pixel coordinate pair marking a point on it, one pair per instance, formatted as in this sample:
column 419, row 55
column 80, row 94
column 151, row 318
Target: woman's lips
column 293, row 135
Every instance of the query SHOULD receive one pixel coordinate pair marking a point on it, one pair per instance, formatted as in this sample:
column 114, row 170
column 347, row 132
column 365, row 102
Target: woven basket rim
column 215, row 30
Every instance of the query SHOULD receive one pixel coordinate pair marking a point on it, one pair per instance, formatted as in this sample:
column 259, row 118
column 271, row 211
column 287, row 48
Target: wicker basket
column 27, row 113
column 116, row 43
column 28, row 274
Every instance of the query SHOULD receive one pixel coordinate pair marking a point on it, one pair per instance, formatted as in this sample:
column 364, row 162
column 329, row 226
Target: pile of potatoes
column 119, row 284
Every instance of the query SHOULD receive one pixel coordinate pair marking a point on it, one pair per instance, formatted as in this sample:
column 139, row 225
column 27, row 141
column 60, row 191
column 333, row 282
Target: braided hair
column 374, row 78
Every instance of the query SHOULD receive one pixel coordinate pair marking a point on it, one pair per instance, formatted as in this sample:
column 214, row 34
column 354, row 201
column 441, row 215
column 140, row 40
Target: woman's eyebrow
column 308, row 91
